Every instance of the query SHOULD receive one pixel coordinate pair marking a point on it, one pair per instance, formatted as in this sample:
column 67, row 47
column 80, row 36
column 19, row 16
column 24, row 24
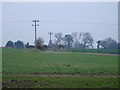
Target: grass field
column 36, row 69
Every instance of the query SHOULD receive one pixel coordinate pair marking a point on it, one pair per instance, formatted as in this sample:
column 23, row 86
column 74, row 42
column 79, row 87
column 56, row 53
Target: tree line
column 74, row 40
column 82, row 40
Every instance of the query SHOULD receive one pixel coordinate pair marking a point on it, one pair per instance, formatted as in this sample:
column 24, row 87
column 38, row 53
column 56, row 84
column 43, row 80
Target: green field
column 59, row 70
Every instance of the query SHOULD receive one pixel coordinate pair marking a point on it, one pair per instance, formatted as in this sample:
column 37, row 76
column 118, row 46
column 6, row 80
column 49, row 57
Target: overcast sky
column 100, row 19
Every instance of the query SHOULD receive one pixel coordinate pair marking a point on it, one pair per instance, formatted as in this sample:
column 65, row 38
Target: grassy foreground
column 21, row 66
column 59, row 82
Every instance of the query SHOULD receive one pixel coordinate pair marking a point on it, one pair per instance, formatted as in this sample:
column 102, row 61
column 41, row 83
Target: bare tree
column 39, row 42
column 77, row 38
column 87, row 40
column 58, row 37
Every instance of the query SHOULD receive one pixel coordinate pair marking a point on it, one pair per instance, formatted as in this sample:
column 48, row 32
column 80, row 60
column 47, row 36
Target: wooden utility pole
column 35, row 24
column 50, row 35
column 50, row 42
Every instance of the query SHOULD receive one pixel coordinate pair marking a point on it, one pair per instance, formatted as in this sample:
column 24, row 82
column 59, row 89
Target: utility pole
column 35, row 24
column 50, row 42
column 50, row 35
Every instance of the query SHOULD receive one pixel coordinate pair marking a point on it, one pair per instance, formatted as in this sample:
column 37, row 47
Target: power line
column 65, row 22
column 69, row 22
column 16, row 21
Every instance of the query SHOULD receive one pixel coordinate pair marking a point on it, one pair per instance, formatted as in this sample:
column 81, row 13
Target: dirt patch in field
column 19, row 83
column 103, row 54
column 64, row 75
column 82, row 53
column 54, row 52
column 62, row 64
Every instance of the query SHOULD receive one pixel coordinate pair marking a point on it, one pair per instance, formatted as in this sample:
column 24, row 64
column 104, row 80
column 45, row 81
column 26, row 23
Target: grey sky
column 100, row 19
